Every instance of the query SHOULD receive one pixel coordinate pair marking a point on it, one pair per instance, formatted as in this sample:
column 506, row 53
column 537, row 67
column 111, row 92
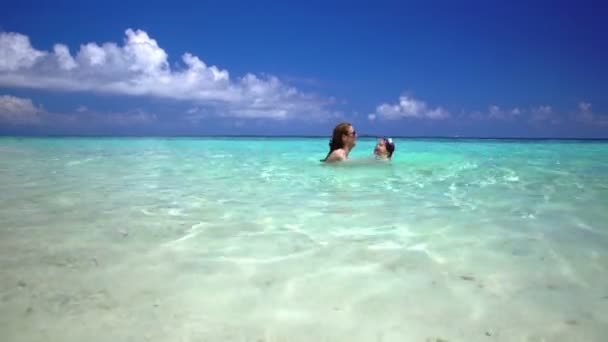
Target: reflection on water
column 197, row 239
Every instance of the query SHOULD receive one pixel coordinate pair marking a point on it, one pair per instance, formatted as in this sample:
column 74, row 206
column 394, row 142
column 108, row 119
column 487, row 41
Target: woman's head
column 344, row 136
column 385, row 148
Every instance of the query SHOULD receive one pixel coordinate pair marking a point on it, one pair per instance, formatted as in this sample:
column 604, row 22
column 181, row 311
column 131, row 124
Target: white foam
column 512, row 178
column 388, row 245
column 147, row 212
column 189, row 234
column 422, row 247
column 175, row 212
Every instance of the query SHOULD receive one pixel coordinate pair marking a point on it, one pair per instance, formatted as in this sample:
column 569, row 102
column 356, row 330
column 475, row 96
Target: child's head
column 385, row 148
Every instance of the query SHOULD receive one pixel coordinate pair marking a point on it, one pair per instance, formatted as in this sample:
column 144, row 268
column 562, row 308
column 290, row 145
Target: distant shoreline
column 248, row 136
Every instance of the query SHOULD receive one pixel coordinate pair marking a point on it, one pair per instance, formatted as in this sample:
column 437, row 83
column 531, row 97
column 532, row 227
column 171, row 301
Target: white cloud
column 130, row 118
column 141, row 67
column 16, row 52
column 586, row 115
column 408, row 107
column 495, row 112
column 193, row 110
column 19, row 111
column 584, row 107
column 22, row 111
column 584, row 112
column 534, row 114
column 65, row 60
column 92, row 118
column 542, row 113
column 371, row 117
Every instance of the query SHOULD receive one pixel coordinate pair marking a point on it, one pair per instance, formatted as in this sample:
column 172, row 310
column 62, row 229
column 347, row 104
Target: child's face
column 380, row 149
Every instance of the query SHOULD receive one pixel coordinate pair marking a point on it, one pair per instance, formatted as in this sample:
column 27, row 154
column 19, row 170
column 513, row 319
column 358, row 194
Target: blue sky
column 474, row 68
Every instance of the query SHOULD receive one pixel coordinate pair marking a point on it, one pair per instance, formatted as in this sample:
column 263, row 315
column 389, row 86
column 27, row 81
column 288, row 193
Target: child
column 384, row 149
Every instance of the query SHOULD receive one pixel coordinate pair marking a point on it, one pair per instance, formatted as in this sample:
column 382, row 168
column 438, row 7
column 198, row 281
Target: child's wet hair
column 390, row 146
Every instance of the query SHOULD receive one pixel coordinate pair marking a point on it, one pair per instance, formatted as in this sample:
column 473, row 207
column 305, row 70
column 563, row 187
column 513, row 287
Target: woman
column 384, row 149
column 343, row 140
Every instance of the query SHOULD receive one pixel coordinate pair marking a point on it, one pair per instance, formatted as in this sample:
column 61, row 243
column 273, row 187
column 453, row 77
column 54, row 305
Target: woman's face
column 350, row 138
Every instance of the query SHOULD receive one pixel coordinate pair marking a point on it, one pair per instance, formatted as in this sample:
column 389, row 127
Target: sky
column 394, row 68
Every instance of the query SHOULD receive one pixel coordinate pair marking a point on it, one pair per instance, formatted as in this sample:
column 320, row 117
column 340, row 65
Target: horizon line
column 293, row 136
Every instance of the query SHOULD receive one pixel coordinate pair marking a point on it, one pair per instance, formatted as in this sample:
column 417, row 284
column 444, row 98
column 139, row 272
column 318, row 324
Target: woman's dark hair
column 336, row 139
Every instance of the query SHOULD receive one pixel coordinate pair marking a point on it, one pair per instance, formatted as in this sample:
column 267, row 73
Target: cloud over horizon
column 140, row 67
column 532, row 115
column 408, row 107
column 543, row 114
column 495, row 112
column 19, row 111
column 586, row 115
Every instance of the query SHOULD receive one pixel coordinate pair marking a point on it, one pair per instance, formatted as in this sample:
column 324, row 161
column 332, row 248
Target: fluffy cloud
column 140, row 67
column 16, row 52
column 19, row 111
column 408, row 107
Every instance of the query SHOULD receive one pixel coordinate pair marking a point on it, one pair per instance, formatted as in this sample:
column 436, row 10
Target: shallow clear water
column 253, row 239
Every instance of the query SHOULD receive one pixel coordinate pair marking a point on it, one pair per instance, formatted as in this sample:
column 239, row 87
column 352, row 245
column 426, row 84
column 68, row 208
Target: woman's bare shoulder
column 336, row 155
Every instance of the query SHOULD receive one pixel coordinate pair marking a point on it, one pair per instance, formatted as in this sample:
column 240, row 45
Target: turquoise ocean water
column 252, row 239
